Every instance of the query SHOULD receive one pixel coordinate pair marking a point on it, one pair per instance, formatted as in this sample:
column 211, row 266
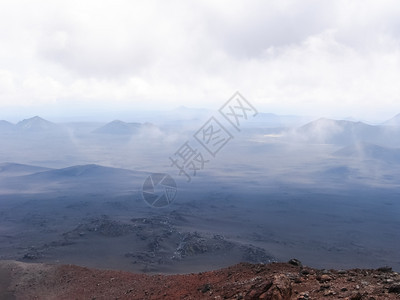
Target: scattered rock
column 395, row 288
column 324, row 287
column 295, row 262
column 324, row 278
column 329, row 293
column 33, row 254
column 278, row 281
column 304, row 296
column 281, row 289
column 304, row 272
column 384, row 269
column 357, row 296
column 205, row 288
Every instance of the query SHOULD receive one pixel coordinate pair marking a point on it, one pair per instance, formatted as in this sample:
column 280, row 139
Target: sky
column 71, row 59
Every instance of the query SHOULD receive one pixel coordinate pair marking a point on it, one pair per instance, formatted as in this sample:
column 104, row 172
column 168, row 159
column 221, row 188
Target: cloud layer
column 324, row 58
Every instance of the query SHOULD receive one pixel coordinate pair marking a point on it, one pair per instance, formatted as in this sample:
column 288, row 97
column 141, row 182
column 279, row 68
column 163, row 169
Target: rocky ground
column 243, row 281
column 152, row 244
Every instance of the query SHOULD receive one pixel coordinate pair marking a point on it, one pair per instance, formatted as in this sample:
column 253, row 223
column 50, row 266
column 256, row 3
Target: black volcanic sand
column 203, row 230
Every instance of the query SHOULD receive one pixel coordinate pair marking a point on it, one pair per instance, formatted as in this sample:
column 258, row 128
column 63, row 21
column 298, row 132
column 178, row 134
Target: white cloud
column 309, row 57
column 7, row 85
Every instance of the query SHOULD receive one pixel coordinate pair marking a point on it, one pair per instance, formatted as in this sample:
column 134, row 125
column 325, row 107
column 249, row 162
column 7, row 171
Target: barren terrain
column 278, row 281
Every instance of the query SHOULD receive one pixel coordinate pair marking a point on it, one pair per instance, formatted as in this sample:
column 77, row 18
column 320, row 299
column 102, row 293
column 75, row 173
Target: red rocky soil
column 243, row 281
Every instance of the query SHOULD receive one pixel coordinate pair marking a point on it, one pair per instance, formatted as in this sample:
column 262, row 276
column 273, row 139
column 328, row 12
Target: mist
column 322, row 190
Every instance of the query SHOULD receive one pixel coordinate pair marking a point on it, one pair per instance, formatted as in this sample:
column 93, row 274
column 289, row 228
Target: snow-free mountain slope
column 118, row 127
column 36, row 124
column 338, row 132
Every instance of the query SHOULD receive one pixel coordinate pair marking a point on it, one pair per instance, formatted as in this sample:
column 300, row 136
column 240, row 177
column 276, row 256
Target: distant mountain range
column 4, row 125
column 395, row 121
column 270, row 120
column 90, row 178
column 341, row 132
column 35, row 124
column 122, row 128
column 38, row 124
column 321, row 131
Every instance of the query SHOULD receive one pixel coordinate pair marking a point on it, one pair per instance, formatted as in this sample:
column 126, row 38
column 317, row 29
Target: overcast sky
column 327, row 58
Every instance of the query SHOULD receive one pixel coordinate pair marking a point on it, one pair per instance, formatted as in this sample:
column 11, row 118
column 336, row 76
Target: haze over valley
column 322, row 190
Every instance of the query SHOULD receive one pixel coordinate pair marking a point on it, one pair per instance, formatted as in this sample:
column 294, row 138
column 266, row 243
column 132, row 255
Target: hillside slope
column 243, row 281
